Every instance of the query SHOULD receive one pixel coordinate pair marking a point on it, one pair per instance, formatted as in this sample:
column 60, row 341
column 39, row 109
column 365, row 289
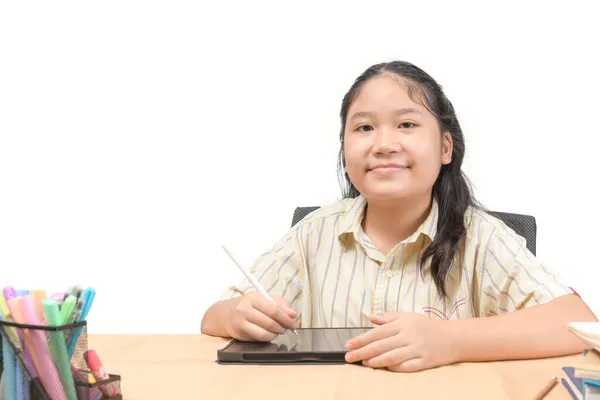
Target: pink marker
column 47, row 370
column 25, row 336
column 100, row 374
column 60, row 297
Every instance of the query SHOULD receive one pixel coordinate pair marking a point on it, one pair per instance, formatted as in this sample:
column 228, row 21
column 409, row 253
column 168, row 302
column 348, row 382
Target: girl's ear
column 446, row 148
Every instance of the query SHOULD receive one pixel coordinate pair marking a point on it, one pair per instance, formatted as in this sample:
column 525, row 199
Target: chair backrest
column 523, row 225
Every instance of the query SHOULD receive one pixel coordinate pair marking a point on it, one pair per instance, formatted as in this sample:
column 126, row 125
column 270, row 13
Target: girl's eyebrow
column 368, row 114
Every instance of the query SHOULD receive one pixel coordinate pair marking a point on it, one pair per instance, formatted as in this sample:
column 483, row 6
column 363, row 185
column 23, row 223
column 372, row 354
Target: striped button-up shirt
column 334, row 276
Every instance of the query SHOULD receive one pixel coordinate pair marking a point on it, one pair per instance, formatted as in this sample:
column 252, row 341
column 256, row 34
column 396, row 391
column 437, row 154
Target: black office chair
column 523, row 225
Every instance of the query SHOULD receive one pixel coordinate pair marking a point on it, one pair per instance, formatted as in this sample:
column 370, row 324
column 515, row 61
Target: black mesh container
column 36, row 373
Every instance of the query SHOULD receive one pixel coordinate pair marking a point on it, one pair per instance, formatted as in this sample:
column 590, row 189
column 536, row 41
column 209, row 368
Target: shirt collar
column 350, row 222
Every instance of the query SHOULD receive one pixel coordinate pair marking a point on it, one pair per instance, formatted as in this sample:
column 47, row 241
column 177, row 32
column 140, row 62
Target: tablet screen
column 308, row 340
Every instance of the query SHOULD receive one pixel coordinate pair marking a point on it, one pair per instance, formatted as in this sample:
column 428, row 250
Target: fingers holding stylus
column 267, row 323
column 277, row 313
column 256, row 318
column 253, row 332
column 277, row 308
column 287, row 307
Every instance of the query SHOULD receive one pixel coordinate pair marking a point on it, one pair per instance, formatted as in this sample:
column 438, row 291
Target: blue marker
column 10, row 367
column 88, row 299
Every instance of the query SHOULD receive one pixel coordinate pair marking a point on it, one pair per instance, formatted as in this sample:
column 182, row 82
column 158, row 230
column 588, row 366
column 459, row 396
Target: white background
column 137, row 137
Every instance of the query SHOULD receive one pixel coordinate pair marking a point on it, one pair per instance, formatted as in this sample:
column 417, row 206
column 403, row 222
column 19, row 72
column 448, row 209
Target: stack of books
column 583, row 378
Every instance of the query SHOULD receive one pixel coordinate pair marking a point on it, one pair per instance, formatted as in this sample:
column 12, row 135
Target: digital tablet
column 312, row 345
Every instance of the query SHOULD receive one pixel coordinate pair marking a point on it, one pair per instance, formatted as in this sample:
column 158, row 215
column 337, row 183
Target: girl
column 407, row 250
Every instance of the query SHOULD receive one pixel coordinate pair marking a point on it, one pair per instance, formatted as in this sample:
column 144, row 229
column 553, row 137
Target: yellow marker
column 91, row 378
column 11, row 331
column 3, row 307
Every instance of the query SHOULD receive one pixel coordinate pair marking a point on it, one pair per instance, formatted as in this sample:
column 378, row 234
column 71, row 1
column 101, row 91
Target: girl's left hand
column 404, row 342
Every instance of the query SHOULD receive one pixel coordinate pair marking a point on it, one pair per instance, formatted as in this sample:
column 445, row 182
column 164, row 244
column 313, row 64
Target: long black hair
column 452, row 189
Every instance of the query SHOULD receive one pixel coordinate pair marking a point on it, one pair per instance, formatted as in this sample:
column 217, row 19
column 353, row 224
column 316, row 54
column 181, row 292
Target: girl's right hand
column 254, row 318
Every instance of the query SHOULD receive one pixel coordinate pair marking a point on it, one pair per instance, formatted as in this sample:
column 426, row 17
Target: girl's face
column 392, row 146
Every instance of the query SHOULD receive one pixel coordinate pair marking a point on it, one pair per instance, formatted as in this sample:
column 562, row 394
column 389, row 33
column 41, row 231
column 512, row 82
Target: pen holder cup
column 109, row 389
column 39, row 362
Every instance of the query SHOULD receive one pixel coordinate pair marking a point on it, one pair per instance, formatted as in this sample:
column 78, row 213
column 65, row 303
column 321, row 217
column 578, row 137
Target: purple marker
column 9, row 293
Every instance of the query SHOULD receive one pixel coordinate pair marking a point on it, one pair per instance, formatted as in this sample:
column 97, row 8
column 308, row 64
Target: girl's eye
column 406, row 125
column 364, row 128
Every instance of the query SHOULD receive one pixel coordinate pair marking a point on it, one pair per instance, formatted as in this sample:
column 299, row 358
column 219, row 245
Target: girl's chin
column 386, row 194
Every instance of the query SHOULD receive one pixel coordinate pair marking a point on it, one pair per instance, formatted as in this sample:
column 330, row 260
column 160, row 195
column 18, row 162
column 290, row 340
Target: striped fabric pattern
column 334, row 276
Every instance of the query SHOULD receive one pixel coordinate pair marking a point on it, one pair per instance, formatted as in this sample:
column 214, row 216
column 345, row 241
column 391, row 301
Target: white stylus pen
column 252, row 280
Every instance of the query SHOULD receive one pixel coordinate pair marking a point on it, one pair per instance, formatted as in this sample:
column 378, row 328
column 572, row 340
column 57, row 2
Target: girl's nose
column 386, row 141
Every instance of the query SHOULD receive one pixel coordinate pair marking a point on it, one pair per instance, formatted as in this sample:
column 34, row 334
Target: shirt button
column 389, row 273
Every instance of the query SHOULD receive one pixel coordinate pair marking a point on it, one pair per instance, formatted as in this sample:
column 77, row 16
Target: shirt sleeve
column 280, row 271
column 512, row 277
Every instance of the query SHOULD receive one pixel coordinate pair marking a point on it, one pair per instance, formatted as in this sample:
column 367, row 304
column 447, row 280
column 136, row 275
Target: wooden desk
column 181, row 367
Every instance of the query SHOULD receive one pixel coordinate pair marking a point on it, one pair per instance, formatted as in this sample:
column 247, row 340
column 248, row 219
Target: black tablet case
column 261, row 354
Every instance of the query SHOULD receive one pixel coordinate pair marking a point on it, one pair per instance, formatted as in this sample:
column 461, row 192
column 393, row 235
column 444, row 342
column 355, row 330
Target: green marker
column 66, row 310
column 58, row 347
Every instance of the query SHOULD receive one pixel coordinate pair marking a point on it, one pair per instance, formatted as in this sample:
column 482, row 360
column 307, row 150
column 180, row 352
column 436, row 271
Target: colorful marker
column 5, row 311
column 10, row 362
column 38, row 297
column 48, row 373
column 66, row 310
column 100, row 374
column 58, row 347
column 23, row 337
column 88, row 299
column 94, row 392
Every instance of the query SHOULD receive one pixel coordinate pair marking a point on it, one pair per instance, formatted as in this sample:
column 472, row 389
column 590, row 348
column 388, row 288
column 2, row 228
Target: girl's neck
column 389, row 223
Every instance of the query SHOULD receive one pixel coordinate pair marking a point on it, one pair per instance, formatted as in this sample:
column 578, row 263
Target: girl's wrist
column 457, row 339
